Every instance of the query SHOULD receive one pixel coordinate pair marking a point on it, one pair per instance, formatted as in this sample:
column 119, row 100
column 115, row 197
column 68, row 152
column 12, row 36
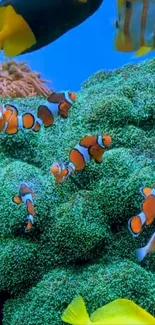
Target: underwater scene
column 77, row 162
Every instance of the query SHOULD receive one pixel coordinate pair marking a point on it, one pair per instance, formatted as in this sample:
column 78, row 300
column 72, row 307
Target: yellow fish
column 135, row 26
column 117, row 312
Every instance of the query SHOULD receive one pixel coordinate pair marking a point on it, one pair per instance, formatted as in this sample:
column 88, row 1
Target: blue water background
column 84, row 50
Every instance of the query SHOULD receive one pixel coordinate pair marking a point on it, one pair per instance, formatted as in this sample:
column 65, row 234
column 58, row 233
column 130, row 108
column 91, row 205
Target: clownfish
column 89, row 147
column 135, row 26
column 147, row 214
column 117, row 312
column 28, row 25
column 26, row 196
column 143, row 251
column 11, row 121
column 58, row 104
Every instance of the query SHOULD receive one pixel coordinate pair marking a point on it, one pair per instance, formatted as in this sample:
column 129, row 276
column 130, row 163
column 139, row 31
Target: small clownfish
column 26, row 196
column 57, row 104
column 147, row 215
column 90, row 147
column 143, row 251
column 117, row 312
column 60, row 171
column 135, row 26
column 11, row 122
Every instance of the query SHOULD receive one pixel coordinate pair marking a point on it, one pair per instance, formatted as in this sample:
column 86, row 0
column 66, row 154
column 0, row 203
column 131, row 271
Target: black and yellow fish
column 28, row 25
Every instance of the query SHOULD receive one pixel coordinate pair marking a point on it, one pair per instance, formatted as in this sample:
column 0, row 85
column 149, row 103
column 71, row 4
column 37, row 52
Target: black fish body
column 50, row 19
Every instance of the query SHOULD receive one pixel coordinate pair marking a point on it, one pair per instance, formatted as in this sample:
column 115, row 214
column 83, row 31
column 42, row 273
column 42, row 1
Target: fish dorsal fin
column 143, row 50
column 76, row 313
column 121, row 308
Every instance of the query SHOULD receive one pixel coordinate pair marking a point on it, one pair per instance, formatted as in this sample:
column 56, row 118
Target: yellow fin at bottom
column 15, row 34
column 143, row 50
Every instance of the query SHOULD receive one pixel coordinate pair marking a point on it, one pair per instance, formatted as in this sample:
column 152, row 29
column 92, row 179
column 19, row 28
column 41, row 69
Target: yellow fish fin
column 124, row 311
column 120, row 3
column 15, row 34
column 122, row 43
column 145, row 191
column 76, row 313
column 143, row 50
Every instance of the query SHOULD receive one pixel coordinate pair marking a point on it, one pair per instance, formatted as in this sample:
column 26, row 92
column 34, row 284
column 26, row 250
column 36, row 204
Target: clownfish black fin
column 15, row 34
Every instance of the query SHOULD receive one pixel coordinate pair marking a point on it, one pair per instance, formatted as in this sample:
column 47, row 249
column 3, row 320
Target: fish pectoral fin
column 143, row 50
column 122, row 309
column 76, row 313
column 16, row 199
column 15, row 34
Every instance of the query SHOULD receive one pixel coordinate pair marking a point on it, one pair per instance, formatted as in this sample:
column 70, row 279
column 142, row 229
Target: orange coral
column 17, row 80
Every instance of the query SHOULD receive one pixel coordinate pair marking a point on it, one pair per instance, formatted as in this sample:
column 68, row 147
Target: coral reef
column 80, row 243
column 17, row 80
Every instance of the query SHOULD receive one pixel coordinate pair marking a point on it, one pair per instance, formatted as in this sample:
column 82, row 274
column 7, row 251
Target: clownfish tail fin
column 76, row 313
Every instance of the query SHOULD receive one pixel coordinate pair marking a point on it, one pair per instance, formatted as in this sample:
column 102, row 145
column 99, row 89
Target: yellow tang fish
column 135, row 26
column 117, row 312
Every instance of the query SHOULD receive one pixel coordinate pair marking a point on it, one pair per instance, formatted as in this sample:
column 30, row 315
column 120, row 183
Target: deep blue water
column 82, row 51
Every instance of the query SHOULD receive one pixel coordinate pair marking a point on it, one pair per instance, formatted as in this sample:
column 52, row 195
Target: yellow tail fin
column 76, row 313
column 15, row 34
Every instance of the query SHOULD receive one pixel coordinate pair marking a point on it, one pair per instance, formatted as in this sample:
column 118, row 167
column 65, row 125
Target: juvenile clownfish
column 58, row 104
column 26, row 196
column 11, row 122
column 135, row 26
column 143, row 251
column 147, row 215
column 90, row 147
column 28, row 25
column 117, row 312
column 60, row 171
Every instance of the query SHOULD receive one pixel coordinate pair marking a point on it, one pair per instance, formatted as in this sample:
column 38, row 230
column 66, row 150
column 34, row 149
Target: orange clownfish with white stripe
column 11, row 121
column 147, row 214
column 58, row 104
column 89, row 147
column 26, row 196
column 135, row 25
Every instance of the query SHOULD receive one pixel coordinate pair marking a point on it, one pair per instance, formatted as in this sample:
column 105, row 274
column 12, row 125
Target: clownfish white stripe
column 142, row 217
column 30, row 218
column 100, row 141
column 153, row 192
column 27, row 196
column 72, row 166
column 39, row 121
column 68, row 98
column 84, row 152
column 52, row 107
column 20, row 122
column 5, row 126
